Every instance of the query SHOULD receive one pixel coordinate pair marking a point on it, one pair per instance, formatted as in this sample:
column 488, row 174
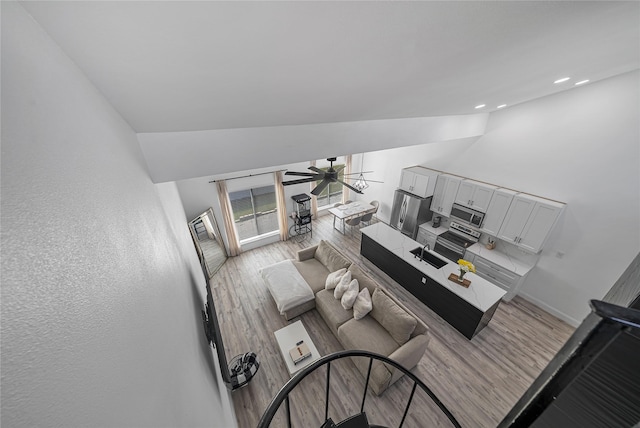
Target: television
column 243, row 366
column 214, row 335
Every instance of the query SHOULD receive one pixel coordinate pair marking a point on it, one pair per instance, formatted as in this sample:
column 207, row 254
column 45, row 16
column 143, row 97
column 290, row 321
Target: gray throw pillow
column 330, row 257
column 392, row 317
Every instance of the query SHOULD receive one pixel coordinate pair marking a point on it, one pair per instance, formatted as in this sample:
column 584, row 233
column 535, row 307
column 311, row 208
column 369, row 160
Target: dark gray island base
column 465, row 317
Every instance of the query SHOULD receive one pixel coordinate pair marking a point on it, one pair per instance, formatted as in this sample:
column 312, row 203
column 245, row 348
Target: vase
column 461, row 276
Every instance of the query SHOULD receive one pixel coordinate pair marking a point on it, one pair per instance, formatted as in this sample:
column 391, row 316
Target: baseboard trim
column 553, row 311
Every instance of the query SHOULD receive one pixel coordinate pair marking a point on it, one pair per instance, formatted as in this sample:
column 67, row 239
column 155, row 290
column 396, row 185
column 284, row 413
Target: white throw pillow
column 342, row 286
column 350, row 295
column 363, row 305
column 334, row 278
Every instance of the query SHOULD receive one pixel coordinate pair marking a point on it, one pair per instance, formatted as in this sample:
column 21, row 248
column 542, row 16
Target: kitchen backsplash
column 502, row 246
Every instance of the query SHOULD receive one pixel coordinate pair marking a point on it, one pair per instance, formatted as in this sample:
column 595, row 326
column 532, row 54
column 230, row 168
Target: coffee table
column 287, row 337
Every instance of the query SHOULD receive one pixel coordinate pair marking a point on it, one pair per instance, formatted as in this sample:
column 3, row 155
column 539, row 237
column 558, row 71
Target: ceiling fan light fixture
column 361, row 183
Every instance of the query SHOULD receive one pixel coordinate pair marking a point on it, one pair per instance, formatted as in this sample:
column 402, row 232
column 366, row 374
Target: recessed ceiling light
column 481, row 106
column 564, row 79
column 502, row 106
column 582, row 82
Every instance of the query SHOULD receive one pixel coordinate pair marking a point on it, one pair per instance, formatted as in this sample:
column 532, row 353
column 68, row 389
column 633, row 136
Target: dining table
column 351, row 210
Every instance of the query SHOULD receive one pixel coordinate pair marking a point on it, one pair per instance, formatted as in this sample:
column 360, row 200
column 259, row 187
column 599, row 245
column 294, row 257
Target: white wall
column 101, row 288
column 174, row 156
column 581, row 147
column 387, row 165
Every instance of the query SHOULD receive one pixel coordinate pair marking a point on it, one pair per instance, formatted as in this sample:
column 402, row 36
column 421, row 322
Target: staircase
column 358, row 420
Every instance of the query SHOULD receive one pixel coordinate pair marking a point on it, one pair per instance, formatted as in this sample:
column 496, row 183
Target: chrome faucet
column 422, row 251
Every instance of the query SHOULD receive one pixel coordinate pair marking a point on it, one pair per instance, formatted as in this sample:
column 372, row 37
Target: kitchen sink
column 434, row 261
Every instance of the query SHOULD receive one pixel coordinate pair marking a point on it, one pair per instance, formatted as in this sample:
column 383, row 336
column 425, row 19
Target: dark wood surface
column 478, row 380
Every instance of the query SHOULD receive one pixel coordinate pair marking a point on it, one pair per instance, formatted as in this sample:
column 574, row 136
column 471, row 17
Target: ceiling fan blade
column 318, row 170
column 320, row 187
column 361, row 172
column 302, row 180
column 368, row 181
column 350, row 187
column 304, row 174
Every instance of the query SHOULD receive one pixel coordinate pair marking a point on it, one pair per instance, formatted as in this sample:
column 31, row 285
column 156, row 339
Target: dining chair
column 369, row 216
column 353, row 222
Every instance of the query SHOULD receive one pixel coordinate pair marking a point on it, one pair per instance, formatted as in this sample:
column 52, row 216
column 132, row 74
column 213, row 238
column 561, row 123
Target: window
column 333, row 192
column 255, row 211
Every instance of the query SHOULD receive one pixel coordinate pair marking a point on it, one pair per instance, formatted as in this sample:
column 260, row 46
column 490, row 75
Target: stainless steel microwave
column 466, row 215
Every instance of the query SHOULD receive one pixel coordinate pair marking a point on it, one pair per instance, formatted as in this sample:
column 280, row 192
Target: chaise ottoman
column 289, row 290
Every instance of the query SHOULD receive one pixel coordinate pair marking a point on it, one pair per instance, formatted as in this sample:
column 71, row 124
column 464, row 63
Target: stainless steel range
column 453, row 243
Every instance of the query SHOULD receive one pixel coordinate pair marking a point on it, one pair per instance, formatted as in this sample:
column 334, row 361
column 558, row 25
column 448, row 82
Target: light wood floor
column 478, row 380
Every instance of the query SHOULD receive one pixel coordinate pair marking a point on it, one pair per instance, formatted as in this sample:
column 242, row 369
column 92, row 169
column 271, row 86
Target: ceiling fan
column 327, row 177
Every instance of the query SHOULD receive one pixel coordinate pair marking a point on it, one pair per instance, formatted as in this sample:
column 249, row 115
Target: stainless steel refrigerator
column 408, row 212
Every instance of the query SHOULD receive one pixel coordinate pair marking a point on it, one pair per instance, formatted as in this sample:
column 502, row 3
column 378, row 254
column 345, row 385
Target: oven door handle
column 449, row 246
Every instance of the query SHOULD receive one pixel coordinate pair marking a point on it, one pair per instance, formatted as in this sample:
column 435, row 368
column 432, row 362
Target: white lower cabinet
column 426, row 237
column 497, row 275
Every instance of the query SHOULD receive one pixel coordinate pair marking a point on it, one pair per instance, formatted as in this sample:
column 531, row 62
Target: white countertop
column 501, row 259
column 481, row 293
column 435, row 230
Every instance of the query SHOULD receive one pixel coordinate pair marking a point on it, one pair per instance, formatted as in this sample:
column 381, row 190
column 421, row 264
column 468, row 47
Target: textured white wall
column 101, row 288
column 581, row 147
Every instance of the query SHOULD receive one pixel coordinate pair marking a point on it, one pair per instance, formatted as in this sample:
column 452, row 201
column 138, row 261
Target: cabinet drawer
column 422, row 237
column 495, row 272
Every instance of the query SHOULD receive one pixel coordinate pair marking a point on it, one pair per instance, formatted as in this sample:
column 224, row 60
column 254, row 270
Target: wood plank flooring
column 479, row 380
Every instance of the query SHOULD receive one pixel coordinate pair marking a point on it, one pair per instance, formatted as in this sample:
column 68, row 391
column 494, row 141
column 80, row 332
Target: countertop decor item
column 456, row 278
column 465, row 267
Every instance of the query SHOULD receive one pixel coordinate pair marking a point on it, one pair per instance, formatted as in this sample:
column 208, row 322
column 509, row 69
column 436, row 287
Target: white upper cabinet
column 497, row 211
column 444, row 194
column 418, row 181
column 475, row 195
column 529, row 221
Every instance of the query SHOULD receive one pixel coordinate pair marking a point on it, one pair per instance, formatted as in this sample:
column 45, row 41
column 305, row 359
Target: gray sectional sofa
column 390, row 329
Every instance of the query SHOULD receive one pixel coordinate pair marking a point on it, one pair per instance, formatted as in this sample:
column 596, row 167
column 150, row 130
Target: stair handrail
column 283, row 394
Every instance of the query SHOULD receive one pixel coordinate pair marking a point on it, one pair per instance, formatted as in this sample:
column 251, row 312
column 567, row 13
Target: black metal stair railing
column 283, row 394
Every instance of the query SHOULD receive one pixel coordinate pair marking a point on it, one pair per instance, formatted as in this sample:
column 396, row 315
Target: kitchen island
column 468, row 310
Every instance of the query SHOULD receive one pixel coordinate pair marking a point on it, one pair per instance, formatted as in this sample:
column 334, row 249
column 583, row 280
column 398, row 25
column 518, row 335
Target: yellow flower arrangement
column 465, row 267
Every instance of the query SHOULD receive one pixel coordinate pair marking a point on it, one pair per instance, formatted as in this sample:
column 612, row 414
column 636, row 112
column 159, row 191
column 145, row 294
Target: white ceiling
column 182, row 66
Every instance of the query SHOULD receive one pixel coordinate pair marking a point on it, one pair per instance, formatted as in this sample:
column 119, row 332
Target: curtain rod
column 250, row 175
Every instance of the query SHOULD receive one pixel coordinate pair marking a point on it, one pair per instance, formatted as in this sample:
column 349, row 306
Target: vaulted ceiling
column 185, row 66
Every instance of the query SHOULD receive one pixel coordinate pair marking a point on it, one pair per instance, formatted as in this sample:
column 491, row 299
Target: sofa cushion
column 314, row 272
column 363, row 279
column 330, row 257
column 334, row 278
column 342, row 286
column 332, row 312
column 349, row 296
column 367, row 334
column 362, row 306
column 392, row 317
